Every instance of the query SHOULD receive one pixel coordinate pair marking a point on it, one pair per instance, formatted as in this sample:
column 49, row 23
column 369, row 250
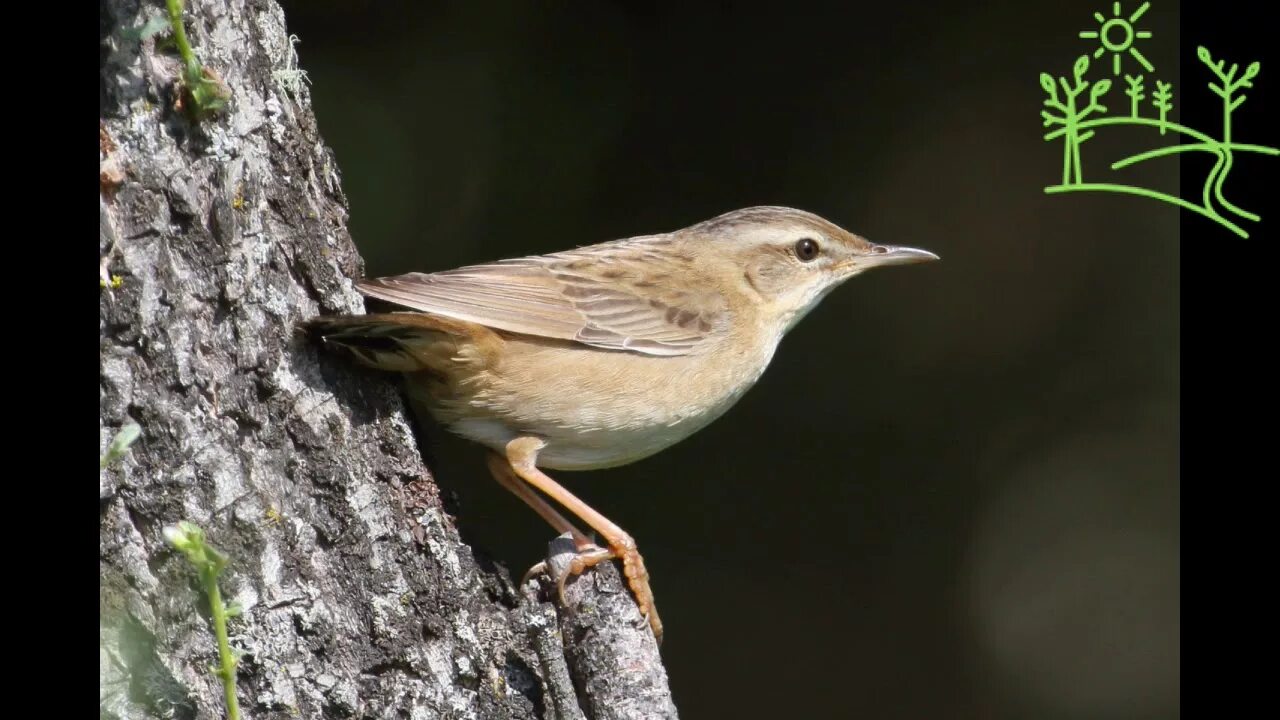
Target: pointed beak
column 882, row 255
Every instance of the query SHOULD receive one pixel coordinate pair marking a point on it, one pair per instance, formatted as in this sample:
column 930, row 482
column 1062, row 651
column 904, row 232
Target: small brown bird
column 603, row 355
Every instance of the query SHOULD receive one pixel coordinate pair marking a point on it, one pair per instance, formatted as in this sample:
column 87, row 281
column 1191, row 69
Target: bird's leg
column 507, row 478
column 505, row 475
column 522, row 453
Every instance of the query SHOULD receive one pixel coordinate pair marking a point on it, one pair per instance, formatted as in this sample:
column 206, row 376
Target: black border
column 1226, row 293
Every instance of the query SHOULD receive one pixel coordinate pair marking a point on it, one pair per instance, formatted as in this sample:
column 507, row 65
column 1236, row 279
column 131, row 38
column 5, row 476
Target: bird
column 605, row 354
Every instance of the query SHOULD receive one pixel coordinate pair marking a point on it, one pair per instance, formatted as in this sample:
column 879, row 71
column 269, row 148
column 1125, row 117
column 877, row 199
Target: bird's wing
column 637, row 295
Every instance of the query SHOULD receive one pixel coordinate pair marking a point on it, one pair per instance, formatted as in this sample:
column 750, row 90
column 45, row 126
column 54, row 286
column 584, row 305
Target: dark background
column 955, row 492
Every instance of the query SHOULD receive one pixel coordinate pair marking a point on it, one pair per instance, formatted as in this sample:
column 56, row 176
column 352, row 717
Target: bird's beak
column 882, row 255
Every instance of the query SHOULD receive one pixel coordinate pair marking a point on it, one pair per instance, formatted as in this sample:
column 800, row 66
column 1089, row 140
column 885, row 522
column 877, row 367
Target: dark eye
column 806, row 249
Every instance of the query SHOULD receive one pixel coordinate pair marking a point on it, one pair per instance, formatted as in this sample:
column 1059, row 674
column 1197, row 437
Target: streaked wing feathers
column 618, row 296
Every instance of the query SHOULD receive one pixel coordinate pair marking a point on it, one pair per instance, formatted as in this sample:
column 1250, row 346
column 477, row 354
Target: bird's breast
column 597, row 408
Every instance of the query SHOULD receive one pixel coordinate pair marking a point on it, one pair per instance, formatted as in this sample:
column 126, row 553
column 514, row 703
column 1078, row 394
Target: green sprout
column 1228, row 87
column 1162, row 98
column 119, row 445
column 135, row 35
column 209, row 563
column 1071, row 115
column 206, row 92
column 1134, row 92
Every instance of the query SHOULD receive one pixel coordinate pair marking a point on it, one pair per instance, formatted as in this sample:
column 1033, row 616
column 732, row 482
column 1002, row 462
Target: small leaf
column 205, row 90
column 234, row 610
column 184, row 536
column 1253, row 70
column 210, row 95
column 1202, row 52
column 1081, row 66
column 151, row 27
column 1100, row 88
column 126, row 436
column 1046, row 82
column 175, row 537
column 215, row 559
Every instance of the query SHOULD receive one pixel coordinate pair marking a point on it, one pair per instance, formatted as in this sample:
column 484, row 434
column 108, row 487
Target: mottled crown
column 770, row 215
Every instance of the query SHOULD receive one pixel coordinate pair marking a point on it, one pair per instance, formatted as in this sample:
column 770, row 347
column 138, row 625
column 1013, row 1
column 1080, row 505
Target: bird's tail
column 403, row 342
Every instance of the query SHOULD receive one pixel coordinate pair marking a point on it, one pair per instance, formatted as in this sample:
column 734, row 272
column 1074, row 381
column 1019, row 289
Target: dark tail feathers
column 384, row 342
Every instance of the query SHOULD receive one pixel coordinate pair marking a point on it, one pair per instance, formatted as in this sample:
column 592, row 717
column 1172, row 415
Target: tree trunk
column 358, row 597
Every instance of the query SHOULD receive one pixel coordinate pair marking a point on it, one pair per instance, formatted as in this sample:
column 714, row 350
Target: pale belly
column 582, row 449
column 598, row 412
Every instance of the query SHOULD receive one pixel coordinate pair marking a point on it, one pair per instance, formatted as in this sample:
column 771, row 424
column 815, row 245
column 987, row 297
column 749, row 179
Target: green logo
column 1074, row 109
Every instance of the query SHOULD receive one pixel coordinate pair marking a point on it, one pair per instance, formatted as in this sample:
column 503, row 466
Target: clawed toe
column 529, row 574
column 633, row 570
column 587, row 556
column 521, row 465
column 638, row 580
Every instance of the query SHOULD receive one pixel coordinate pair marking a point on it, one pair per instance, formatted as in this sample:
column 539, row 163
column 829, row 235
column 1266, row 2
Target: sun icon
column 1118, row 35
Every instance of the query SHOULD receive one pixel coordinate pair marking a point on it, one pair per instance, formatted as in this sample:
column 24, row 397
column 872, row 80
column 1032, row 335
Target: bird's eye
column 806, row 249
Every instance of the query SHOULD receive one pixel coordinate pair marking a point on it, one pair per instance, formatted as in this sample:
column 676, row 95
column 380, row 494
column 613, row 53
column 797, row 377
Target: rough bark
column 359, row 599
column 611, row 650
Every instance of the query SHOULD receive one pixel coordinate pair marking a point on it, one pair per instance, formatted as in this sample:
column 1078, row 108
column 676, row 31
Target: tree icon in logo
column 1074, row 112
